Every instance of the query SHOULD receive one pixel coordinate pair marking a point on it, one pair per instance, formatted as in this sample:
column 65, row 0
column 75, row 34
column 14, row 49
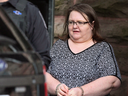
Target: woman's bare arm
column 99, row 87
column 52, row 84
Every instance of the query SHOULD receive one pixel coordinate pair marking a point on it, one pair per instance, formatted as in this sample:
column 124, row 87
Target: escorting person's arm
column 38, row 34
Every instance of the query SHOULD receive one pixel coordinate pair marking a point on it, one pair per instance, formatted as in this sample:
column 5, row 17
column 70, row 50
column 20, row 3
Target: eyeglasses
column 79, row 23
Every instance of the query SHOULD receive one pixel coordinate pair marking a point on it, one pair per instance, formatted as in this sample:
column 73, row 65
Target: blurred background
column 113, row 18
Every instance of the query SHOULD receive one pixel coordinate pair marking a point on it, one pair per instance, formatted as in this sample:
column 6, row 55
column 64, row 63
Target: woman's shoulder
column 104, row 45
column 58, row 46
column 59, row 42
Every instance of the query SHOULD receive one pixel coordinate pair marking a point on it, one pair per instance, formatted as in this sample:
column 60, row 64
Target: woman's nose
column 75, row 25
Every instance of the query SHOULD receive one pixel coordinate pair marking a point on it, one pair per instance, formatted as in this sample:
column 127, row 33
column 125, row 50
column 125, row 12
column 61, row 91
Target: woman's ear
column 92, row 24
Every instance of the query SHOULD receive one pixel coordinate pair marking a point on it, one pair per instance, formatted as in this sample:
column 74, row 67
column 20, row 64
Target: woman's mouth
column 75, row 31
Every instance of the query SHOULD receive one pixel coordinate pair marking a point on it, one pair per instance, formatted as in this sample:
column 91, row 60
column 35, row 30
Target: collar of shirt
column 18, row 4
column 13, row 2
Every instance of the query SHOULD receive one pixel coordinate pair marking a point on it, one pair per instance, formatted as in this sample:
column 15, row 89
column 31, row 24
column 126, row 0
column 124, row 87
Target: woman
column 83, row 64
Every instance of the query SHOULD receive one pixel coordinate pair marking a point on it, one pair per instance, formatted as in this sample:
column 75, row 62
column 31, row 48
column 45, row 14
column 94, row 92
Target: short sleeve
column 107, row 64
column 53, row 52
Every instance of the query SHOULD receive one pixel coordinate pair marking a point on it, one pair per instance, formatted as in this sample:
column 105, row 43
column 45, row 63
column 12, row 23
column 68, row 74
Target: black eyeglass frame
column 77, row 23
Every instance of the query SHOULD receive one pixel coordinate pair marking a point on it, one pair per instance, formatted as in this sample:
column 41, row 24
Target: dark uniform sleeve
column 38, row 34
column 107, row 64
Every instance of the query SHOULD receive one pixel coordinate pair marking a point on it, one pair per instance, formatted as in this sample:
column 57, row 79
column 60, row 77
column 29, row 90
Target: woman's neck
column 77, row 47
column 80, row 41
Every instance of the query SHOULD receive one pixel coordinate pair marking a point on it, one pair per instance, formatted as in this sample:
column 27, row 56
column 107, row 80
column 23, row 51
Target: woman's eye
column 80, row 22
column 70, row 22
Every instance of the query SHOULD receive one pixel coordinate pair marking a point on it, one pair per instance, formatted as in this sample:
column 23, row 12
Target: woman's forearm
column 51, row 83
column 101, row 86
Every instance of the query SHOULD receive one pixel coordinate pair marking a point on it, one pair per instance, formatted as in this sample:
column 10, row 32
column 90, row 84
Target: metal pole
column 51, row 21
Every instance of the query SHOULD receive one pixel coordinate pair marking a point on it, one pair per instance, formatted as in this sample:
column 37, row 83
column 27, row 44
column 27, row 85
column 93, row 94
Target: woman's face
column 82, row 31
